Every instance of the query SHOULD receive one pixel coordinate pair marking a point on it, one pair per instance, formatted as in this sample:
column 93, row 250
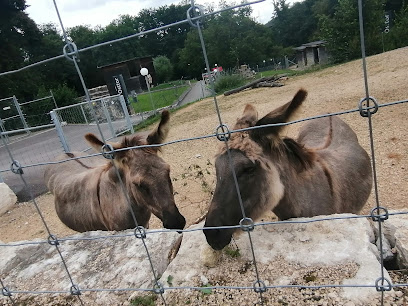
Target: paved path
column 44, row 146
column 197, row 92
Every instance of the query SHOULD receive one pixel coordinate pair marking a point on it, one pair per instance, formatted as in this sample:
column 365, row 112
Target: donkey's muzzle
column 176, row 221
column 218, row 238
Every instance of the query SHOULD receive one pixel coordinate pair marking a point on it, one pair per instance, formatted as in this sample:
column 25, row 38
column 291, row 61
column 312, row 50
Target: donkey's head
column 253, row 156
column 144, row 173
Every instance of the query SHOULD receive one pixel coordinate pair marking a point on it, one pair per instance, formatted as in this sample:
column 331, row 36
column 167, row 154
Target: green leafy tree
column 65, row 95
column 85, row 36
column 397, row 36
column 19, row 37
column 342, row 30
column 56, row 71
column 297, row 24
column 164, row 68
column 232, row 38
column 123, row 50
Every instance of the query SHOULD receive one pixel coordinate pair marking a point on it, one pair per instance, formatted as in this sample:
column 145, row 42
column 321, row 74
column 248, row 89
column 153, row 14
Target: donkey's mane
column 297, row 154
column 242, row 142
column 138, row 140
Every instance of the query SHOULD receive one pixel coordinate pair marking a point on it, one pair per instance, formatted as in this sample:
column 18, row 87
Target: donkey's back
column 344, row 161
column 61, row 174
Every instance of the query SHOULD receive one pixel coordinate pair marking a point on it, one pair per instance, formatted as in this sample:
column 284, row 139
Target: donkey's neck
column 292, row 156
column 306, row 179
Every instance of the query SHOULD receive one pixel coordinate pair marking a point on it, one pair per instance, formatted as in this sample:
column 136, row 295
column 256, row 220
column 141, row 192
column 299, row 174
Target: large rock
column 7, row 198
column 339, row 252
column 396, row 232
column 318, row 263
column 101, row 263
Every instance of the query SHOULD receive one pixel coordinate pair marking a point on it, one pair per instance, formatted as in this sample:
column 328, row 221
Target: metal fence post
column 3, row 129
column 125, row 111
column 53, row 99
column 83, row 113
column 60, row 132
column 108, row 118
column 20, row 113
column 5, row 141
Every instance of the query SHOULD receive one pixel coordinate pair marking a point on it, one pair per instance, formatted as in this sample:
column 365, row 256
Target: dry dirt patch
column 331, row 90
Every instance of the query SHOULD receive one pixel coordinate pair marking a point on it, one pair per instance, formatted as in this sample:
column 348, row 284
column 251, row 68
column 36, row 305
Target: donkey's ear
column 248, row 119
column 158, row 135
column 97, row 144
column 280, row 115
column 94, row 141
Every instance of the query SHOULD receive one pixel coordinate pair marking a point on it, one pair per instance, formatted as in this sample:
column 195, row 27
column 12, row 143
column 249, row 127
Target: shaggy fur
column 324, row 171
column 89, row 195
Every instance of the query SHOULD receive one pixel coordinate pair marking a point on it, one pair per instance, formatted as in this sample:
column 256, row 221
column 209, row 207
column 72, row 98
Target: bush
column 65, row 95
column 164, row 69
column 227, row 82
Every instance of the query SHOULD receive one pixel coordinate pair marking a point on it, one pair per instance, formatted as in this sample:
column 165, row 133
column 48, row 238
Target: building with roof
column 312, row 53
column 129, row 71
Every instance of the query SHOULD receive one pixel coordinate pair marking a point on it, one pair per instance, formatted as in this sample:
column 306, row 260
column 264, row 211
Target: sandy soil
column 334, row 89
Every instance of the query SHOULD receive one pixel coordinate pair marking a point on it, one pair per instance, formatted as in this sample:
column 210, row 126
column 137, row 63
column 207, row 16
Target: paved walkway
column 197, row 92
column 45, row 146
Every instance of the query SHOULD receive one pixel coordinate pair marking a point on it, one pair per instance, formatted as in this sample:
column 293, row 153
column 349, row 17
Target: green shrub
column 65, row 95
column 227, row 82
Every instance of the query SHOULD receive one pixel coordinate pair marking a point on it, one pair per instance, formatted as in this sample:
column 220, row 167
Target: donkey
column 324, row 171
column 88, row 193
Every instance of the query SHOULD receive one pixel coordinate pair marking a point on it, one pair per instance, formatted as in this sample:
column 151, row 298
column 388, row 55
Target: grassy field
column 158, row 98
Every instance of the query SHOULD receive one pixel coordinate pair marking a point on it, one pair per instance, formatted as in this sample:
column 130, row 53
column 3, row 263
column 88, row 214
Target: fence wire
column 195, row 16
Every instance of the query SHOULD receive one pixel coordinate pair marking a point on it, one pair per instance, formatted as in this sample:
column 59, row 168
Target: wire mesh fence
column 110, row 114
column 89, row 112
column 12, row 117
column 37, row 112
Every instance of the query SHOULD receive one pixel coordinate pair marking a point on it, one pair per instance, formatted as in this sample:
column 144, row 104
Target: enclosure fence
column 367, row 107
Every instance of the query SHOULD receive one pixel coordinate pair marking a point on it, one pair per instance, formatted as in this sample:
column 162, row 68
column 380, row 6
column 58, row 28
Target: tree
column 398, row 35
column 232, row 38
column 297, row 24
column 342, row 30
column 19, row 36
column 164, row 68
column 85, row 36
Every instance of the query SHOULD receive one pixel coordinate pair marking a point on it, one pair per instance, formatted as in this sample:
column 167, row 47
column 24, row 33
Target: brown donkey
column 88, row 193
column 324, row 171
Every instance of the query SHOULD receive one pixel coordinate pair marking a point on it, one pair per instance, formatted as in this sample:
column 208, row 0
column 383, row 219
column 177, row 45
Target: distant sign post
column 120, row 88
column 387, row 26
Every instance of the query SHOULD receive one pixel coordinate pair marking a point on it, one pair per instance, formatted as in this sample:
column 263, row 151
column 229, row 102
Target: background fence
column 110, row 114
column 367, row 108
column 12, row 117
column 37, row 112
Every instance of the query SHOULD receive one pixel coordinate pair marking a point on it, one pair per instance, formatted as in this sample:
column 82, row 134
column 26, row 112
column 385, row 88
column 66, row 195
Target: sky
column 102, row 12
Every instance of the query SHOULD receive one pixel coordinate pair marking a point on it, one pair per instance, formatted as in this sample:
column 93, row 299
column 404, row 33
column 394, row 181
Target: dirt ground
column 333, row 89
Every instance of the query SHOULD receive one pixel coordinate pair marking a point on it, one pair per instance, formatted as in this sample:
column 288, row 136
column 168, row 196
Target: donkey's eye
column 248, row 170
column 144, row 188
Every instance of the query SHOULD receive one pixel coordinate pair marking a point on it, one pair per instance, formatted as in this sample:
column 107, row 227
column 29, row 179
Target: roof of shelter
column 311, row 45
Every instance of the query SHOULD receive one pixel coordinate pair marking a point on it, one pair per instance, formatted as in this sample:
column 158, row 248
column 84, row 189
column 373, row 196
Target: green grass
column 290, row 72
column 154, row 119
column 171, row 84
column 234, row 253
column 160, row 98
column 228, row 81
column 275, row 72
column 204, row 290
